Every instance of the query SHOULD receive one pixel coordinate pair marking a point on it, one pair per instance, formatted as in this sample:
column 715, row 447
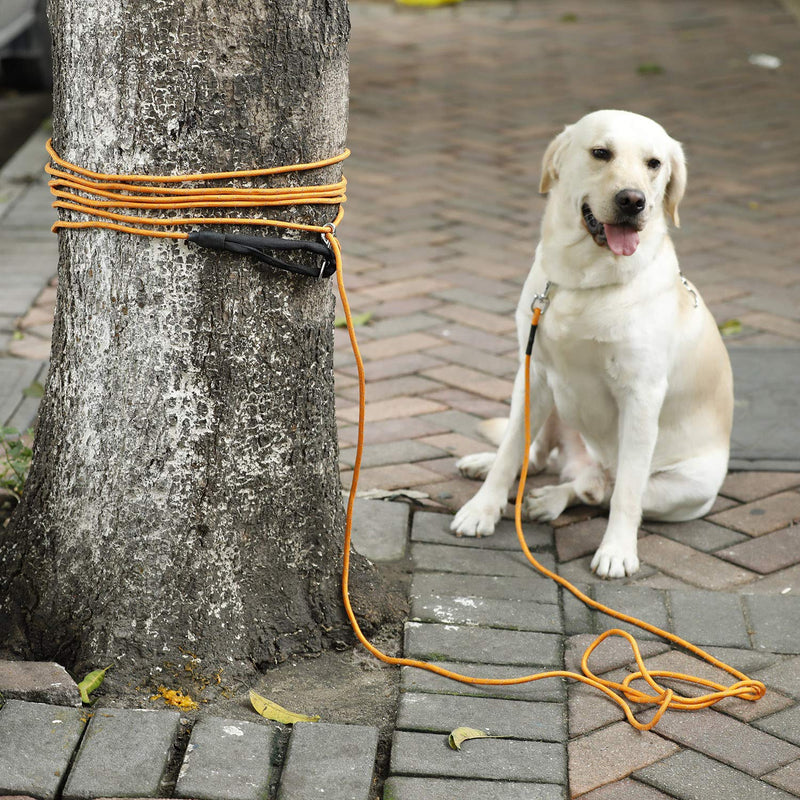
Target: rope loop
column 103, row 198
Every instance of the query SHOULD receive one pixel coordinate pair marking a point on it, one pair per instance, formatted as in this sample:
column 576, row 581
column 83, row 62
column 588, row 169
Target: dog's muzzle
column 621, row 238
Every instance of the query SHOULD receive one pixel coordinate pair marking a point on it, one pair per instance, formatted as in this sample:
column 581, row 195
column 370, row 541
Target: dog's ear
column 551, row 161
column 677, row 183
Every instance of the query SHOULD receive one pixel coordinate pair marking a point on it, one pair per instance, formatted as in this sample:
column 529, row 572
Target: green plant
column 15, row 460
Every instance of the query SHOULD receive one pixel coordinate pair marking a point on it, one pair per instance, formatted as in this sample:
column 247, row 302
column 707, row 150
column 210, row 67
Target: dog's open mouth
column 622, row 239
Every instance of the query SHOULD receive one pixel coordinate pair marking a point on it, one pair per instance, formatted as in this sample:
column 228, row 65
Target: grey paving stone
column 709, row 618
column 787, row 778
column 38, row 682
column 785, row 724
column 612, row 753
column 472, row 561
column 380, row 529
column 441, row 713
column 697, row 533
column 494, row 759
column 784, row 676
column 590, row 709
column 765, row 420
column 613, row 653
column 533, row 588
column 16, row 375
column 626, row 789
column 774, row 622
column 400, row 452
column 123, row 754
column 227, row 759
column 435, row 529
column 689, row 776
column 405, row 788
column 578, row 617
column 481, row 645
column 38, row 741
column 635, row 601
column 513, row 614
column 27, row 163
column 727, row 740
column 421, row 680
column 331, row 761
column 405, row 323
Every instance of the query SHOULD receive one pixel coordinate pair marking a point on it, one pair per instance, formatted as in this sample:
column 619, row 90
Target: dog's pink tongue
column 622, row 239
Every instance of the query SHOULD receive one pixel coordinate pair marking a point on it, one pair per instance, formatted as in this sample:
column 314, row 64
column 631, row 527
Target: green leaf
column 358, row 319
column 34, row 390
column 730, row 327
column 91, row 683
column 650, row 68
column 273, row 711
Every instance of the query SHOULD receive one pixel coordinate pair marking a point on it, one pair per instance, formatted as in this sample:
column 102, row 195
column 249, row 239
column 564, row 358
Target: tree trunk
column 184, row 493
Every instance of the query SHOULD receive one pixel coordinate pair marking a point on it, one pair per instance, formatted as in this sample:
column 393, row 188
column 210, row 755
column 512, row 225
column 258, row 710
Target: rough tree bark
column 184, row 491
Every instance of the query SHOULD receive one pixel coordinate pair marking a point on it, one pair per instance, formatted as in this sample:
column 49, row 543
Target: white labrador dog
column 629, row 374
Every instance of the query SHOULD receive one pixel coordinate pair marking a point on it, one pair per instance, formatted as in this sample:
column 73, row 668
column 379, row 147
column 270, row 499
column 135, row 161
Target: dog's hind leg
column 687, row 491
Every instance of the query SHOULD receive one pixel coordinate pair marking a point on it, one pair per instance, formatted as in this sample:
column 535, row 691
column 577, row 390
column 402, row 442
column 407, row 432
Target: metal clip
column 541, row 301
column 327, row 243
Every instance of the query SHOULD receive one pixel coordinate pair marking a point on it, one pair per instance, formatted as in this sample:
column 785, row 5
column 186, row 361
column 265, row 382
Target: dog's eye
column 601, row 153
column 654, row 163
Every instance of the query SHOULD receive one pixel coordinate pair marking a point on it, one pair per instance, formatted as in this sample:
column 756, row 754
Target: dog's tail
column 493, row 429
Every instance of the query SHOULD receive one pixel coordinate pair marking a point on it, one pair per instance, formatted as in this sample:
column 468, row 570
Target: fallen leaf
column 461, row 735
column 649, row 68
column 91, row 683
column 273, row 711
column 34, row 390
column 358, row 319
column 730, row 327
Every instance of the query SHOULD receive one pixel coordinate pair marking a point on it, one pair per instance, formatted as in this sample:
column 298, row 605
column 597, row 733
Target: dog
column 630, row 380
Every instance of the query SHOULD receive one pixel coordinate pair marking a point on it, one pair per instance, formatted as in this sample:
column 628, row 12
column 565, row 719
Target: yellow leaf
column 730, row 327
column 461, row 735
column 273, row 711
column 91, row 682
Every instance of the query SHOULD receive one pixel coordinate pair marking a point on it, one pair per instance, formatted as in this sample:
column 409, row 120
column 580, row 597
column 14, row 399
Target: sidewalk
column 451, row 110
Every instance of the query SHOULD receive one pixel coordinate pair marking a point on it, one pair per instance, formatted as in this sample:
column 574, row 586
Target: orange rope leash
column 90, row 193
column 71, row 189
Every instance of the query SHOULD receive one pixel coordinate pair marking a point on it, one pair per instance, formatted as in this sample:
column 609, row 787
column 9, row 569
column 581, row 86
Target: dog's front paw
column 475, row 466
column 545, row 503
column 477, row 517
column 614, row 561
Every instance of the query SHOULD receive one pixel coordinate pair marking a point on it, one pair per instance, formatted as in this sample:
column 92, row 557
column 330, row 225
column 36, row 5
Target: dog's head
column 615, row 172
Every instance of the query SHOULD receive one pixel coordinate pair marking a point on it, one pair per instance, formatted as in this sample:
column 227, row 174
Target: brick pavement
column 450, row 113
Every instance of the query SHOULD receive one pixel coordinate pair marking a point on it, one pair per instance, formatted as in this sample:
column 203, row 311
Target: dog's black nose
column 630, row 202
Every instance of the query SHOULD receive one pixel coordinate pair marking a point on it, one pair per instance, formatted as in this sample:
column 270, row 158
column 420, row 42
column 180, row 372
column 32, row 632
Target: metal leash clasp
column 541, row 301
column 324, row 236
column 538, row 307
